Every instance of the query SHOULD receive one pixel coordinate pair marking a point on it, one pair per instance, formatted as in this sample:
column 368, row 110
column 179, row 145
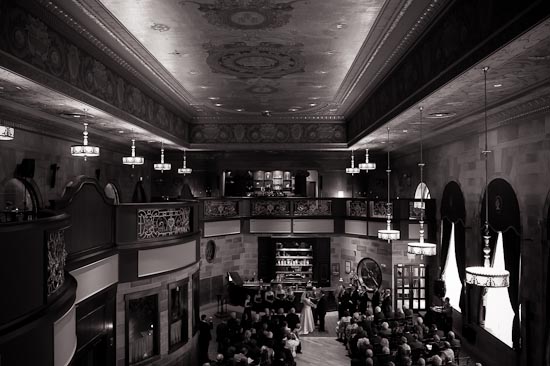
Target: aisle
column 322, row 351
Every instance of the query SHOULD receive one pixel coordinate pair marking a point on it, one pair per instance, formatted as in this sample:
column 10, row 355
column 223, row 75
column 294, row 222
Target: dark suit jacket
column 204, row 331
column 292, row 319
column 322, row 305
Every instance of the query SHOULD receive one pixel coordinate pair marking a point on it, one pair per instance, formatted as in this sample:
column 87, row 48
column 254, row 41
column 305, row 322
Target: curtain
column 446, row 225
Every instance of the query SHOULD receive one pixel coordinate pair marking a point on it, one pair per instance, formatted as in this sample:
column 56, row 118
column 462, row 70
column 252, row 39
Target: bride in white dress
column 306, row 318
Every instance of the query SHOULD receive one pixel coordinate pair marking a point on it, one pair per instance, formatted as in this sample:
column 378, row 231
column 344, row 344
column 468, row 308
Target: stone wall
column 47, row 150
column 521, row 156
column 159, row 284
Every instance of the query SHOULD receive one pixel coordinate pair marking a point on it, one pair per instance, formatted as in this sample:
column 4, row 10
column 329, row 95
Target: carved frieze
column 268, row 133
column 163, row 222
column 220, row 209
column 357, row 209
column 32, row 41
column 312, row 208
column 55, row 244
column 270, row 208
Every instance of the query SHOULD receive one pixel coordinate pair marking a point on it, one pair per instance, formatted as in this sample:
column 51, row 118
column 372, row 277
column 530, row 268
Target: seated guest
column 384, row 358
column 455, row 343
column 408, row 312
column 415, row 343
column 434, row 331
column 369, row 361
column 419, row 328
column 435, row 361
column 399, row 314
column 447, row 354
column 363, row 344
column 281, row 315
column 385, row 331
column 219, row 360
column 421, row 362
column 342, row 325
column 292, row 343
column 378, row 315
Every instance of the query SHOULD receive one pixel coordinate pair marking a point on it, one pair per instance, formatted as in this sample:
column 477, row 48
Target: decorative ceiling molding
column 373, row 61
column 267, row 146
column 39, row 53
column 310, row 133
column 456, row 37
column 272, row 119
column 104, row 20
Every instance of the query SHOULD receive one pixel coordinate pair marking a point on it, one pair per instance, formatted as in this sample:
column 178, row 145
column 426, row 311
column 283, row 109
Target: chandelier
column 6, row 132
column 367, row 165
column 184, row 170
column 85, row 150
column 421, row 247
column 388, row 234
column 487, row 276
column 352, row 170
column 162, row 166
column 133, row 160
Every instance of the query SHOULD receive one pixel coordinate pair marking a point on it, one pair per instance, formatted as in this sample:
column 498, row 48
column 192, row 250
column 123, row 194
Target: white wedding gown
column 306, row 318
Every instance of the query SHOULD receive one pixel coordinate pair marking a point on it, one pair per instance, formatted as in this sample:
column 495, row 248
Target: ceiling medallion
column 268, row 60
column 246, row 15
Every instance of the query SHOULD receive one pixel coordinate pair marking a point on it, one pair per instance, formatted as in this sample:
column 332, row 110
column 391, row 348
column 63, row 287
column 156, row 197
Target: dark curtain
column 139, row 195
column 445, row 242
column 504, row 216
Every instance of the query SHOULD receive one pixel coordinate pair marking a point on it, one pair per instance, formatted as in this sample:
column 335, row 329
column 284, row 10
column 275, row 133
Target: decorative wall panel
column 313, row 208
column 163, row 222
column 357, row 209
column 271, row 208
column 220, row 209
column 57, row 255
column 268, row 132
column 32, row 41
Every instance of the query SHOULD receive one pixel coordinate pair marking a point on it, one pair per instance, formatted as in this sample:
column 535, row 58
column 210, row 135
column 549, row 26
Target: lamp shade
column 419, row 248
column 85, row 150
column 389, row 234
column 133, row 160
column 6, row 133
column 487, row 276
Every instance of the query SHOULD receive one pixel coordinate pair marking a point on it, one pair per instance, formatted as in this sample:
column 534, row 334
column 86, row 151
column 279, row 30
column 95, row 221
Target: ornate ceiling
column 259, row 74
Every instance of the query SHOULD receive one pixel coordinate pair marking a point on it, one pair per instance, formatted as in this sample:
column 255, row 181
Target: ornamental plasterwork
column 357, row 209
column 220, row 208
column 32, row 41
column 268, row 132
column 246, row 14
column 312, row 208
column 163, row 222
column 270, row 208
column 57, row 255
column 266, row 59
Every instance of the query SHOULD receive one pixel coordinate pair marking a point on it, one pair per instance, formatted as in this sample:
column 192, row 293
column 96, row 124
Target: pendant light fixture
column 367, row 165
column 162, row 166
column 487, row 276
column 133, row 160
column 421, row 247
column 85, row 150
column 184, row 170
column 6, row 132
column 352, row 170
column 388, row 234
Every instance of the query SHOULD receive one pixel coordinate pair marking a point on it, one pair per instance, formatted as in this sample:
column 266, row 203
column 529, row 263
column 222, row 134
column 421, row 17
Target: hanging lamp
column 388, row 234
column 133, row 160
column 184, row 170
column 6, row 132
column 162, row 166
column 352, row 170
column 421, row 247
column 367, row 165
column 85, row 150
column 486, row 275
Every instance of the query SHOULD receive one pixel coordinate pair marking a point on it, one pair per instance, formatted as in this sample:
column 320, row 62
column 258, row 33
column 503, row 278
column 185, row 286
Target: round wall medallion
column 370, row 274
column 210, row 251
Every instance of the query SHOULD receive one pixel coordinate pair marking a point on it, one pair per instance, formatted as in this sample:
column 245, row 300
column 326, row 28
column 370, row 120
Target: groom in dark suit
column 321, row 309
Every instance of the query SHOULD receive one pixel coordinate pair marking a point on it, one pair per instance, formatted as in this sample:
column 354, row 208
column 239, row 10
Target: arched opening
column 111, row 192
column 501, row 316
column 18, row 201
column 422, row 191
column 453, row 236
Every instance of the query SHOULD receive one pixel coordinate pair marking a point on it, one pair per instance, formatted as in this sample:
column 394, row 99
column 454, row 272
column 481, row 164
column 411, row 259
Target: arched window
column 450, row 274
column 112, row 192
column 422, row 190
column 499, row 318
